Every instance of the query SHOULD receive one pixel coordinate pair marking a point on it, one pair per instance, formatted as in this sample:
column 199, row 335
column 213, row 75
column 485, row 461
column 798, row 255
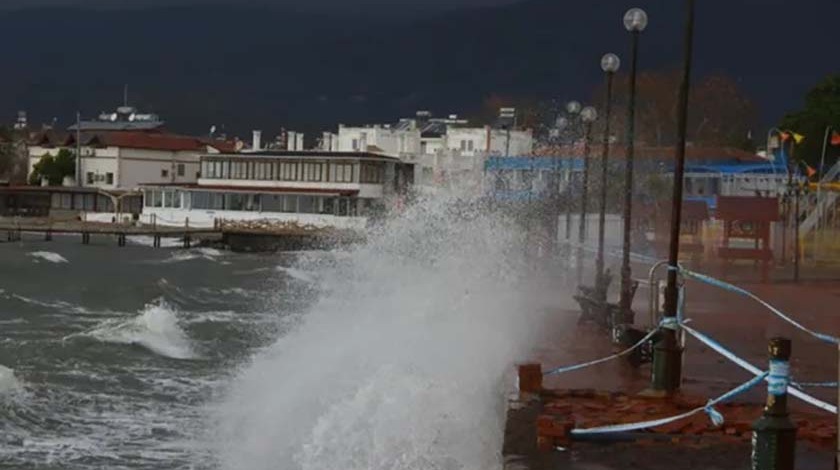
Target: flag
column 835, row 138
column 798, row 138
column 811, row 171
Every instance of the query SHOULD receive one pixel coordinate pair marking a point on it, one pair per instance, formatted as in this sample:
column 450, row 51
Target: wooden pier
column 14, row 231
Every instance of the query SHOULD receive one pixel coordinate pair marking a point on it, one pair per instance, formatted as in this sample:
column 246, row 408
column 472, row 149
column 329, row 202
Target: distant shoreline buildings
column 130, row 168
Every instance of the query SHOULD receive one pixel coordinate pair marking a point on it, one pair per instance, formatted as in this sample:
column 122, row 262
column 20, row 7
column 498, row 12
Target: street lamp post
column 588, row 115
column 635, row 20
column 572, row 110
column 667, row 354
column 610, row 63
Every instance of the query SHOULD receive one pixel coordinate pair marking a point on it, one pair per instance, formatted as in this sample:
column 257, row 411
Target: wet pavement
column 740, row 324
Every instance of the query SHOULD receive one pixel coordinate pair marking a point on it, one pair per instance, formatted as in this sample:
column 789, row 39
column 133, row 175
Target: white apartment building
column 383, row 139
column 123, row 160
column 445, row 151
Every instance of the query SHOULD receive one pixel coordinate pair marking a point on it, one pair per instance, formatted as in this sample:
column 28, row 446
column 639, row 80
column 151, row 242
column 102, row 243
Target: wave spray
column 400, row 362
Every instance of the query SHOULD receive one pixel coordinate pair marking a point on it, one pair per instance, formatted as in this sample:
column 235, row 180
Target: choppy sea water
column 110, row 355
column 387, row 355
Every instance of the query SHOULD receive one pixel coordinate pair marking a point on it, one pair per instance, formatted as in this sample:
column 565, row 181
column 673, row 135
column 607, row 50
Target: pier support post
column 156, row 242
column 85, row 238
column 120, row 239
column 774, row 434
column 187, row 240
column 48, row 235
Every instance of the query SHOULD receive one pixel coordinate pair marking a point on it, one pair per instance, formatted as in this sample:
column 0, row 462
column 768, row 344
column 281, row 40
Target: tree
column 720, row 114
column 821, row 110
column 54, row 169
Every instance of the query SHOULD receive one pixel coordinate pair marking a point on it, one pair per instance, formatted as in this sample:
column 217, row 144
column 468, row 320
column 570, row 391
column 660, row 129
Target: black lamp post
column 635, row 20
column 588, row 115
column 610, row 63
column 573, row 111
column 667, row 354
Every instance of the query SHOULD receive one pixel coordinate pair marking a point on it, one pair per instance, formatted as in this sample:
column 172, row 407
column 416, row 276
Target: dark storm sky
column 315, row 4
column 775, row 49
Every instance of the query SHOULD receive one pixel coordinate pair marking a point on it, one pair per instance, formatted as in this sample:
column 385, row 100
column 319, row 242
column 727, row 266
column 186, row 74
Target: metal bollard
column 774, row 434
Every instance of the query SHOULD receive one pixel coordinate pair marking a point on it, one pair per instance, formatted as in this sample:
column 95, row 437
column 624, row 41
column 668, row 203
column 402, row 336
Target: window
column 372, row 173
column 313, row 171
column 355, row 144
column 308, row 205
column 470, row 145
column 343, row 172
column 90, row 177
column 181, row 169
column 288, row 171
column 164, row 173
column 109, row 178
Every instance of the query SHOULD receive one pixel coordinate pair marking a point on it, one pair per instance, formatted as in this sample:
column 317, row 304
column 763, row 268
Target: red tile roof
column 134, row 140
column 149, row 141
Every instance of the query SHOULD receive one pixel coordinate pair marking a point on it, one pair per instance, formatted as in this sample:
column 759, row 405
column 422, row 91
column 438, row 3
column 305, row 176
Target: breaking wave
column 155, row 328
column 400, row 362
column 48, row 256
column 298, row 274
column 8, row 381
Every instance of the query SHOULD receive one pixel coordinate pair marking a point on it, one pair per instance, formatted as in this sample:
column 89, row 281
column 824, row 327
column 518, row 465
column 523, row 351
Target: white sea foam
column 208, row 254
column 298, row 274
column 399, row 364
column 60, row 305
column 48, row 256
column 155, row 328
column 145, row 240
column 8, row 381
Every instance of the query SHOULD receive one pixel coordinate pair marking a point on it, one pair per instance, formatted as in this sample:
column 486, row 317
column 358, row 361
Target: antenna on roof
column 125, row 94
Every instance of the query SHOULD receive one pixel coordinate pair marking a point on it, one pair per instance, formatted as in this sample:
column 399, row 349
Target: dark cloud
column 389, row 5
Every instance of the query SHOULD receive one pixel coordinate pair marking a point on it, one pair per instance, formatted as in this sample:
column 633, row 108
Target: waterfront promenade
column 737, row 322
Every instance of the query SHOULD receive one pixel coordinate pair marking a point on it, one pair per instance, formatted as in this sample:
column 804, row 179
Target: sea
column 390, row 354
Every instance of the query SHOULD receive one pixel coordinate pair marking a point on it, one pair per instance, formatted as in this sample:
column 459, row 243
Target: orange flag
column 811, row 172
column 835, row 138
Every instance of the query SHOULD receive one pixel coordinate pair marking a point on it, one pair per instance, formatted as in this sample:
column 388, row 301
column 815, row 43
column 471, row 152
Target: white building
column 303, row 188
column 384, row 139
column 445, row 151
column 123, row 160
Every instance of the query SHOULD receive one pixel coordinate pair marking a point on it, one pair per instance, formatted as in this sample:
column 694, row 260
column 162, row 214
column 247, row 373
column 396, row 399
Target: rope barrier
column 815, row 384
column 562, row 370
column 716, row 417
column 774, row 380
column 755, row 370
column 738, row 290
column 705, row 278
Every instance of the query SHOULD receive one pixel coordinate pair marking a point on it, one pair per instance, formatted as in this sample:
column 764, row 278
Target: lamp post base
column 666, row 375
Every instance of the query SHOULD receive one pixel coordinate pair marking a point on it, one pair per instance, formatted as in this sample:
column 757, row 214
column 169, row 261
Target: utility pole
column 78, row 148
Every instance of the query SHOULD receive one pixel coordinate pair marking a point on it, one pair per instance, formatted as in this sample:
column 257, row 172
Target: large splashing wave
column 399, row 363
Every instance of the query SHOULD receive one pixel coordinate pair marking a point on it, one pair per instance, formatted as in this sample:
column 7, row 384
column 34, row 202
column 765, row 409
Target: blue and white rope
column 715, row 416
column 562, row 370
column 815, row 384
column 755, row 370
column 738, row 290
